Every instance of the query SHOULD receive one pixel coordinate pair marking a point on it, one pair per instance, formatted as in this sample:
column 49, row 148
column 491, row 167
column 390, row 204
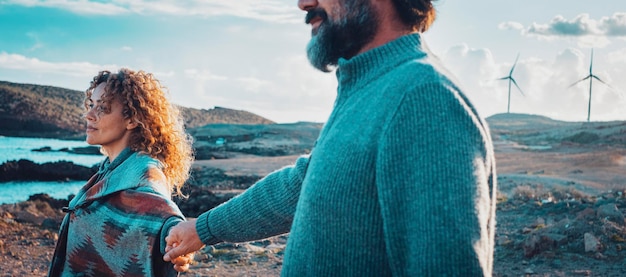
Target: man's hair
column 419, row 14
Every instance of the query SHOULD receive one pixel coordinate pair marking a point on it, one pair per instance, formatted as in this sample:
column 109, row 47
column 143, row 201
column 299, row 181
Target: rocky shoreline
column 26, row 170
column 207, row 187
column 28, row 230
column 540, row 232
column 561, row 201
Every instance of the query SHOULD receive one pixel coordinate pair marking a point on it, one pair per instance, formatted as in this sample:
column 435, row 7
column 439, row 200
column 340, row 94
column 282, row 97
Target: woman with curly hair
column 117, row 223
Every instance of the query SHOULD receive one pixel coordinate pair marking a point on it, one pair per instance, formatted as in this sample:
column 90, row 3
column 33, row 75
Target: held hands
column 181, row 263
column 182, row 241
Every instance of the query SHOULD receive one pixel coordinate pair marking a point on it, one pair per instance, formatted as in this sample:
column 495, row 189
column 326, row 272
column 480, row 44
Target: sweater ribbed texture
column 401, row 181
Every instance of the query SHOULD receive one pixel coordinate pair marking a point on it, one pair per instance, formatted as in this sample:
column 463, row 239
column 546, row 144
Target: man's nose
column 306, row 5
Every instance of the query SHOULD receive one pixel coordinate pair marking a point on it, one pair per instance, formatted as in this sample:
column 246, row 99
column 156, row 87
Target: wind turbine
column 590, row 77
column 511, row 80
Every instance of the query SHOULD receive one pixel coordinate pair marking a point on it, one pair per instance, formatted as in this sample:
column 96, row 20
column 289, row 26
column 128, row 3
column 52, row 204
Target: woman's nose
column 90, row 114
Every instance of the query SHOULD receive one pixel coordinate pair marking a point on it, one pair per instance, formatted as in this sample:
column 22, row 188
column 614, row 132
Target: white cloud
column 511, row 25
column 580, row 26
column 36, row 42
column 477, row 72
column 618, row 56
column 203, row 75
column 75, row 6
column 76, row 69
column 588, row 32
column 292, row 91
column 253, row 84
column 264, row 10
column 614, row 25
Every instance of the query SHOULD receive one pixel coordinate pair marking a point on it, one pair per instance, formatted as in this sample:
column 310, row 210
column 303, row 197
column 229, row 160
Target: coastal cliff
column 28, row 110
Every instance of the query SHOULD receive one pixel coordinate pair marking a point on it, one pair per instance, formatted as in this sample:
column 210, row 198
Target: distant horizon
column 251, row 54
column 304, row 121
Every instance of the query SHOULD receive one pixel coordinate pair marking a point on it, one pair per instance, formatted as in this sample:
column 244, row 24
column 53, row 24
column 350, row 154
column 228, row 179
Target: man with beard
column 401, row 180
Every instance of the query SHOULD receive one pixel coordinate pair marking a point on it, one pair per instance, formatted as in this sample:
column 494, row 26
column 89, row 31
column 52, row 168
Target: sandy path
column 591, row 171
column 248, row 164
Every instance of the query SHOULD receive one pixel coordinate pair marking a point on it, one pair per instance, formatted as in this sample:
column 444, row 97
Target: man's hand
column 182, row 263
column 182, row 241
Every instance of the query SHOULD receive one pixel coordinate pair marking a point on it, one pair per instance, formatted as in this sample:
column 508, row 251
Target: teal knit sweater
column 401, row 181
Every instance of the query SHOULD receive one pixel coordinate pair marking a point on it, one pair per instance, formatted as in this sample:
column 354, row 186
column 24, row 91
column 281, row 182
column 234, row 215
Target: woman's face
column 106, row 125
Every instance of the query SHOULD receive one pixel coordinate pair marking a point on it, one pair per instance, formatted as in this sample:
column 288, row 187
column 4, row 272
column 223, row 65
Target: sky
column 250, row 54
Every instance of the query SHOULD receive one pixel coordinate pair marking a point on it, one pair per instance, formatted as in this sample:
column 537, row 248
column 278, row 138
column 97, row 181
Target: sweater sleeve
column 434, row 179
column 265, row 209
column 169, row 223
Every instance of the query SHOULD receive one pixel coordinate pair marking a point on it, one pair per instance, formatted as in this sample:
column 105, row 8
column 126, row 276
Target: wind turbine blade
column 514, row 64
column 591, row 63
column 515, row 83
column 578, row 82
column 596, row 77
column 503, row 78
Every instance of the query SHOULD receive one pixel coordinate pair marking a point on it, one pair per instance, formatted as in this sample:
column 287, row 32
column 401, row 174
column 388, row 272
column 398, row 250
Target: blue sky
column 250, row 54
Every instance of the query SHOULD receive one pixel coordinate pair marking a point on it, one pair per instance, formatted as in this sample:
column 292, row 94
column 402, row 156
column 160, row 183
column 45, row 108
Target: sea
column 16, row 148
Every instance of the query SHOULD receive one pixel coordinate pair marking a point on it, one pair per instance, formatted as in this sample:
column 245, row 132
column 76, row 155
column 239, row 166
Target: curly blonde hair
column 160, row 132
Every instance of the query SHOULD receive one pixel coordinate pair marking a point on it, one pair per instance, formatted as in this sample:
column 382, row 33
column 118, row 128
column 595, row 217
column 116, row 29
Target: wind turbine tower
column 590, row 77
column 511, row 80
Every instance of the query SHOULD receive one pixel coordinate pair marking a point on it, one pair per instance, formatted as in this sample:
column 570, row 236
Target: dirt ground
column 560, row 213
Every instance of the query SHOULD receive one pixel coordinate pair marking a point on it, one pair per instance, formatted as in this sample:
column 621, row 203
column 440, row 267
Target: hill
column 44, row 111
column 224, row 141
column 542, row 132
column 31, row 110
column 197, row 118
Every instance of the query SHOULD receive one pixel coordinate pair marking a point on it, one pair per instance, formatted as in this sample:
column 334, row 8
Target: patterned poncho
column 117, row 222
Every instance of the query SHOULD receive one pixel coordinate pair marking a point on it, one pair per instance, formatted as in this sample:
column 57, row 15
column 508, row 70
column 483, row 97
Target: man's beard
column 343, row 38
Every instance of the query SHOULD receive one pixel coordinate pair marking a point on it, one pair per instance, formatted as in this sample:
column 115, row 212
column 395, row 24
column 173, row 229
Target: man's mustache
column 317, row 12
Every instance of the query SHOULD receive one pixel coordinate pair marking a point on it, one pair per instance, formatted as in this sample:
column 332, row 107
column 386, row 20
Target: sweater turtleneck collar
column 364, row 67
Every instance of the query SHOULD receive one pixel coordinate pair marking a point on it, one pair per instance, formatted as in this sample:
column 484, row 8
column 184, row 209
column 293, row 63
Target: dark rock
column 51, row 223
column 210, row 153
column 25, row 170
column 209, row 187
column 610, row 212
column 539, row 242
column 53, row 202
column 87, row 150
column 43, row 149
column 29, row 216
column 216, row 179
column 583, row 138
column 201, row 199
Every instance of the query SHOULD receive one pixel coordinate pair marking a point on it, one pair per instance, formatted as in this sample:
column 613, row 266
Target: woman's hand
column 182, row 241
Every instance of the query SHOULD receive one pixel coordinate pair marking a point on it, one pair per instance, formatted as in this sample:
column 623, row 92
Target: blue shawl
column 116, row 224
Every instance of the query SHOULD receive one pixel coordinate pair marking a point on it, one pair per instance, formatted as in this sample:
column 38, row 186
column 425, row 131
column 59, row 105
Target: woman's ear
column 132, row 124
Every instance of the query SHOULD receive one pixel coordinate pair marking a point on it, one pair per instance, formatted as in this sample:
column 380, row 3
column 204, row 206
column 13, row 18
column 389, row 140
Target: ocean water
column 13, row 192
column 13, row 148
